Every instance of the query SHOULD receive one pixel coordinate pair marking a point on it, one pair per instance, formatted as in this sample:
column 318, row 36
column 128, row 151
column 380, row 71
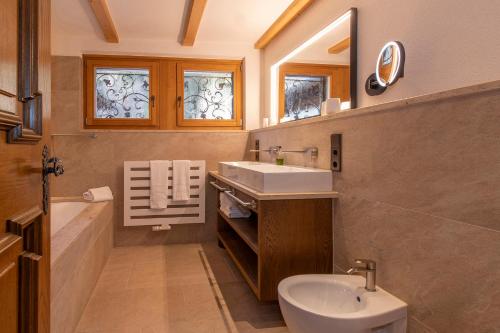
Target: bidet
column 323, row 303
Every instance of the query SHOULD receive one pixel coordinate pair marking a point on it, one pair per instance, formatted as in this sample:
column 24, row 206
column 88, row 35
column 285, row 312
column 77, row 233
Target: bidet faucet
column 366, row 266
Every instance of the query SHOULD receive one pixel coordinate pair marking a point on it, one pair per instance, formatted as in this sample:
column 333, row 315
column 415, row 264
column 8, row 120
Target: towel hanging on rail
column 158, row 184
column 180, row 181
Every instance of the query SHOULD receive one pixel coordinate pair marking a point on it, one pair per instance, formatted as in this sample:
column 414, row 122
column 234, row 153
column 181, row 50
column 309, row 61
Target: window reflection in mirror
column 317, row 80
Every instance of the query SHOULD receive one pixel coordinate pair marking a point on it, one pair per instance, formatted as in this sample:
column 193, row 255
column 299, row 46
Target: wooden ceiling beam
column 103, row 16
column 192, row 21
column 296, row 8
column 340, row 46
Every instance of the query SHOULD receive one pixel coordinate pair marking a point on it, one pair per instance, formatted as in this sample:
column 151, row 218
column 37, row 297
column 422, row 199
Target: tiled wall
column 98, row 162
column 420, row 194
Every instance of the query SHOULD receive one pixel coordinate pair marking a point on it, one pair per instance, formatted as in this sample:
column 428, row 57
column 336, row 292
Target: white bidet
column 339, row 304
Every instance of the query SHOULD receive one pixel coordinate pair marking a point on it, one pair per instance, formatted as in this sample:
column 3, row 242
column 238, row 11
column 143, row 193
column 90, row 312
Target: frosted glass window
column 208, row 95
column 122, row 93
column 304, row 95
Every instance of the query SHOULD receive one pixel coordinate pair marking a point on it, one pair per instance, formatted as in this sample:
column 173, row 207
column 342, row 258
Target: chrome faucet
column 366, row 266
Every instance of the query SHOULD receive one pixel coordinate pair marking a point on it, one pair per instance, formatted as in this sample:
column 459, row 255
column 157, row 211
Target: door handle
column 55, row 166
column 49, row 165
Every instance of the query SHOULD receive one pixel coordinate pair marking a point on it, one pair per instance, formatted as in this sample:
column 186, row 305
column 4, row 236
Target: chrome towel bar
column 252, row 204
column 214, row 184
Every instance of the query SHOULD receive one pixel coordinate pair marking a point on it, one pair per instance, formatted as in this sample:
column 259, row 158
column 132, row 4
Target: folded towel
column 98, row 194
column 158, row 184
column 232, row 209
column 181, row 183
column 236, row 214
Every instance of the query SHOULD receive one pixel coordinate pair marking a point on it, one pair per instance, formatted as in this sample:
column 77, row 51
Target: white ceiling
column 231, row 21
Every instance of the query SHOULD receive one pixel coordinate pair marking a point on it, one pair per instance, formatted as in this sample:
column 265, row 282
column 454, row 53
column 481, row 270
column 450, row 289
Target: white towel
column 236, row 213
column 232, row 209
column 181, row 183
column 98, row 194
column 158, row 184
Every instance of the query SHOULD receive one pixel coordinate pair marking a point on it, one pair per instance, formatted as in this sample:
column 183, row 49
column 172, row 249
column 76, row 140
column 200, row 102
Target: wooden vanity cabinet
column 287, row 234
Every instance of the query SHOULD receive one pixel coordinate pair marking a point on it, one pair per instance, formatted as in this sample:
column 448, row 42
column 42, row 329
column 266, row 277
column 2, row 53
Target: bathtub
column 63, row 212
column 81, row 241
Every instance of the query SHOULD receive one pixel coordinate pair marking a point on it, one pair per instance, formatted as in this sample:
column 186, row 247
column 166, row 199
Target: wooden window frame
column 338, row 75
column 210, row 66
column 90, row 63
column 164, row 85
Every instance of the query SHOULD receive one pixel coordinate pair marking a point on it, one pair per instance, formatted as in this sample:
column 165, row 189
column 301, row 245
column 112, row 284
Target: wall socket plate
column 336, row 152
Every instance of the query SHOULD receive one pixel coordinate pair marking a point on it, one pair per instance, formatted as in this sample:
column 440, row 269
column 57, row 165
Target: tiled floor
column 249, row 315
column 154, row 289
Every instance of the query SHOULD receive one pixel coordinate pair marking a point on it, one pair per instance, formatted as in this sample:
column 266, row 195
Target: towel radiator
column 136, row 209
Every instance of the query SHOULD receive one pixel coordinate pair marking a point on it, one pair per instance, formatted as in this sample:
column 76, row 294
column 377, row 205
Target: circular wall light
column 390, row 67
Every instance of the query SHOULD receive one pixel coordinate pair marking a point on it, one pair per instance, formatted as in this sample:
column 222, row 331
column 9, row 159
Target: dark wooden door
column 24, row 117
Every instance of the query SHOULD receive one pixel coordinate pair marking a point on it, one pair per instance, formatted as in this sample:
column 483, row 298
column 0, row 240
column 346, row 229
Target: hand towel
column 158, row 184
column 98, row 194
column 181, row 182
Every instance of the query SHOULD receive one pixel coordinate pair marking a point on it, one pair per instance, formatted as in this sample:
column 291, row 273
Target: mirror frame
column 394, row 77
column 353, row 72
column 373, row 84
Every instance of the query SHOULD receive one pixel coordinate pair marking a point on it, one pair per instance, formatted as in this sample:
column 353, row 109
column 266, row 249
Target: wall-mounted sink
column 271, row 178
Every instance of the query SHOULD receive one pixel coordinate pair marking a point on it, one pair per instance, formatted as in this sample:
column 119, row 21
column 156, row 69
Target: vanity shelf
column 287, row 234
column 246, row 260
column 245, row 228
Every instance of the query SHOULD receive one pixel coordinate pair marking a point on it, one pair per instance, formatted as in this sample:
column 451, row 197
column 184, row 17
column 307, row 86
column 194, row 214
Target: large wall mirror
column 319, row 76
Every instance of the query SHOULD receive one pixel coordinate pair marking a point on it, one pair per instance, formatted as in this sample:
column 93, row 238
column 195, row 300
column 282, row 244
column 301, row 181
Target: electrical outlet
column 336, row 152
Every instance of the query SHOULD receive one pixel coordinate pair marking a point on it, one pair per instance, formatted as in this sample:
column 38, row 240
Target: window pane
column 304, row 95
column 122, row 93
column 208, row 95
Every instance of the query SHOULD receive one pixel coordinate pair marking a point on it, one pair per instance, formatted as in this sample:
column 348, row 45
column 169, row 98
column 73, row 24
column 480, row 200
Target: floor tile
column 249, row 315
column 153, row 289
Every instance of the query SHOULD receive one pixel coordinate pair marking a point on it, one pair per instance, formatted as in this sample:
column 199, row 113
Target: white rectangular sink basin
column 272, row 178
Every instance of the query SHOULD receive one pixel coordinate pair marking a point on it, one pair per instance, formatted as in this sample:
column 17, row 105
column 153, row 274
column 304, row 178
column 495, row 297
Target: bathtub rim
column 62, row 240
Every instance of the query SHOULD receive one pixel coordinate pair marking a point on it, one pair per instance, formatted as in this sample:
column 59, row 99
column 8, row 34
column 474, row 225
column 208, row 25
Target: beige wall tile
column 441, row 158
column 98, row 162
column 420, row 196
column 66, row 73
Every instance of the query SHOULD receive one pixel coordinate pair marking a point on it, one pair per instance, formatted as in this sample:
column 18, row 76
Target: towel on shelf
column 98, row 194
column 181, row 181
column 232, row 209
column 158, row 184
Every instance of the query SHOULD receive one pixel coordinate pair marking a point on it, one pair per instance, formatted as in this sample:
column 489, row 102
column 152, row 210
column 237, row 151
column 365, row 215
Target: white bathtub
column 61, row 213
column 81, row 241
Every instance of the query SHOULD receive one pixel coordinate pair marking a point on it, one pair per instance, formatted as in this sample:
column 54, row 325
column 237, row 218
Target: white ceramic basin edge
column 272, row 178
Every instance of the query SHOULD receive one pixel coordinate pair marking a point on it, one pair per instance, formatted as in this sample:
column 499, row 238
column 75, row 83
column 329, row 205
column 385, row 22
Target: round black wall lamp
column 390, row 67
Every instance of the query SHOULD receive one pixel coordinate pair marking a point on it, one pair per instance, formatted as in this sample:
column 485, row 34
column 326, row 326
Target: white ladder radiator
column 137, row 210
